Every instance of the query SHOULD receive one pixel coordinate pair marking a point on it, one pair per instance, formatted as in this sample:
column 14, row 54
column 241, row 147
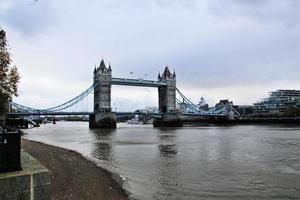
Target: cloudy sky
column 235, row 49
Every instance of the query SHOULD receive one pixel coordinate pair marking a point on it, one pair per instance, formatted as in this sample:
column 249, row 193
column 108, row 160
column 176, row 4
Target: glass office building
column 278, row 102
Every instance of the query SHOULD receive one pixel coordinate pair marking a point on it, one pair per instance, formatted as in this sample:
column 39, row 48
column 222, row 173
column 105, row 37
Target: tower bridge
column 102, row 115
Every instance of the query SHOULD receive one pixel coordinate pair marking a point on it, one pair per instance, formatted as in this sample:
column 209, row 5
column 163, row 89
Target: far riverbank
column 243, row 120
column 73, row 176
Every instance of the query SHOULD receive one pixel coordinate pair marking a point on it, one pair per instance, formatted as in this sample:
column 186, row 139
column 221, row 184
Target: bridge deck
column 117, row 113
column 138, row 82
column 78, row 113
column 47, row 113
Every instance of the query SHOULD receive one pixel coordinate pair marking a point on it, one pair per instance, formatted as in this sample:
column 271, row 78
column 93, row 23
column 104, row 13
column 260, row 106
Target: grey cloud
column 285, row 12
column 210, row 43
column 176, row 3
column 27, row 17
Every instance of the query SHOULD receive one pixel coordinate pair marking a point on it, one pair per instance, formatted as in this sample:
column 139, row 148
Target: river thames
column 192, row 162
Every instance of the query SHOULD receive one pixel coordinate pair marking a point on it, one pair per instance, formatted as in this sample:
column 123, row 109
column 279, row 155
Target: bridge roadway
column 137, row 82
column 77, row 113
column 117, row 113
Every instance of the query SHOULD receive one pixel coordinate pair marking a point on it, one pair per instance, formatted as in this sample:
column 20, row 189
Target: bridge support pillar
column 168, row 120
column 103, row 120
column 167, row 101
column 102, row 117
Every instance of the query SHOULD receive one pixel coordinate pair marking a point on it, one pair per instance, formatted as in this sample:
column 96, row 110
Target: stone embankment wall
column 30, row 183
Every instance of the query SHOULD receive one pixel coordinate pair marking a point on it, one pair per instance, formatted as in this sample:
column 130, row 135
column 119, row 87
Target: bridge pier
column 103, row 120
column 102, row 117
column 167, row 101
column 168, row 120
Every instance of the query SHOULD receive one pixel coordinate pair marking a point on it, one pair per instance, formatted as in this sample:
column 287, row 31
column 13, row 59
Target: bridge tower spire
column 102, row 117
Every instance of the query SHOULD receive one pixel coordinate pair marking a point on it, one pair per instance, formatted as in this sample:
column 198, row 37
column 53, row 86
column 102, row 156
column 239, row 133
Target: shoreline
column 245, row 121
column 72, row 175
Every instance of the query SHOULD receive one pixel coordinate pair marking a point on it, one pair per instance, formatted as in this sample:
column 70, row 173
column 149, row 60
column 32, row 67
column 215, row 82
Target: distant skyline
column 237, row 49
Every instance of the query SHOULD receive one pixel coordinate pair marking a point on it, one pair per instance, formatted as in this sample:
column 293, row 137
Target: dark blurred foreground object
column 10, row 147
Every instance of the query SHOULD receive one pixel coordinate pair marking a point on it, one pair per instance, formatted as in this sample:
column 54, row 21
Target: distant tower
column 167, row 95
column 102, row 116
column 167, row 101
column 102, row 89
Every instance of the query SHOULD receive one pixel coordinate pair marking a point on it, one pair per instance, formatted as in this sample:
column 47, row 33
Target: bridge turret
column 167, row 101
column 102, row 117
column 102, row 65
column 167, row 95
column 102, row 90
column 109, row 68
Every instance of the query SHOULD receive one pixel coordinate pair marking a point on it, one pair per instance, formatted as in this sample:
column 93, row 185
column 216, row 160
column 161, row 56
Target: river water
column 192, row 162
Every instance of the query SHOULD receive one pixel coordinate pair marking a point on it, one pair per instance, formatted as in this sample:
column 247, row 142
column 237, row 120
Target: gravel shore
column 73, row 176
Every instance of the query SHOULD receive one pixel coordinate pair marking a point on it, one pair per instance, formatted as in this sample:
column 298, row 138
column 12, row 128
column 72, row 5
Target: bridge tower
column 167, row 101
column 102, row 117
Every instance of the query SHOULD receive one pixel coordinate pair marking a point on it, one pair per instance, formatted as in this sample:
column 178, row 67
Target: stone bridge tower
column 167, row 95
column 167, row 101
column 102, row 117
column 102, row 88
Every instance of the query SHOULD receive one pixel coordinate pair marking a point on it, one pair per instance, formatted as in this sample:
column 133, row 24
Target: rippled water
column 204, row 162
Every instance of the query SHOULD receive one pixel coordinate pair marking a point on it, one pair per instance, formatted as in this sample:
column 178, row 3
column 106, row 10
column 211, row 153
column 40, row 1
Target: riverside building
column 278, row 102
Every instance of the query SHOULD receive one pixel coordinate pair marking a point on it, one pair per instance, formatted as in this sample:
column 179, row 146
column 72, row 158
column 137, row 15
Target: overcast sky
column 235, row 49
